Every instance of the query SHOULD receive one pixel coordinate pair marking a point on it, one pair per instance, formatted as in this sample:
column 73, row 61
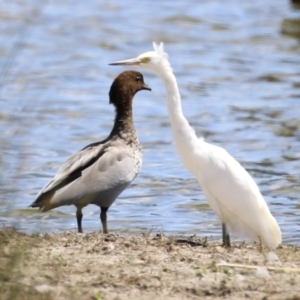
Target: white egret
column 230, row 190
column 100, row 172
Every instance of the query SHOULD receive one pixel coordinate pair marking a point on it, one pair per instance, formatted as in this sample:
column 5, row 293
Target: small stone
column 240, row 277
column 109, row 247
column 220, row 249
column 222, row 262
column 262, row 272
column 271, row 256
column 44, row 288
column 170, row 247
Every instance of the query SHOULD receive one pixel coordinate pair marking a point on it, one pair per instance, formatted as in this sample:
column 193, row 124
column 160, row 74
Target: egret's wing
column 235, row 197
column 75, row 165
column 228, row 182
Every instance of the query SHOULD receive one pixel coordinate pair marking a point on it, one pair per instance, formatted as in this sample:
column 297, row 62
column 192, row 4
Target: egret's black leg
column 79, row 218
column 103, row 219
column 226, row 237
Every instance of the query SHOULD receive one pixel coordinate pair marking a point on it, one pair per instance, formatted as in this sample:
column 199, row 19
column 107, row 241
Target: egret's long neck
column 184, row 135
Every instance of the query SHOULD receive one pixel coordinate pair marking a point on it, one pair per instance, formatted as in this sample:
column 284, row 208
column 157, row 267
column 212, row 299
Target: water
column 237, row 67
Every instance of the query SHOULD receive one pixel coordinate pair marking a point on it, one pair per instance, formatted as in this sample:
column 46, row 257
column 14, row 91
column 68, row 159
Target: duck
column 101, row 171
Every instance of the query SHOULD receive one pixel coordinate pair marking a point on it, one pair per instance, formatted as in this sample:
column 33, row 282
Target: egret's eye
column 145, row 60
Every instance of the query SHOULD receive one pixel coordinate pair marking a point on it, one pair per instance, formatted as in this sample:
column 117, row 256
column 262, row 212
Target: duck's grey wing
column 103, row 181
column 70, row 171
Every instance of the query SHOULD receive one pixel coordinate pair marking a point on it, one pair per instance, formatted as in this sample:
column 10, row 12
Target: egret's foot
column 226, row 237
column 226, row 242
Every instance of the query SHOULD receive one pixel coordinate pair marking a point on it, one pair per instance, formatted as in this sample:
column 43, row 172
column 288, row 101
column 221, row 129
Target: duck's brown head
column 125, row 86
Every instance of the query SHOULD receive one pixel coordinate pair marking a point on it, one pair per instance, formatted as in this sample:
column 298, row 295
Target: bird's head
column 125, row 86
column 153, row 61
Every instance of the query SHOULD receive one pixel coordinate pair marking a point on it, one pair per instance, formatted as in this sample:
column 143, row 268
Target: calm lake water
column 238, row 69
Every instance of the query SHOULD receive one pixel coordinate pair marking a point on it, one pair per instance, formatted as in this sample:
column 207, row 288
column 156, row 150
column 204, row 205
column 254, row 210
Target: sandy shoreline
column 146, row 266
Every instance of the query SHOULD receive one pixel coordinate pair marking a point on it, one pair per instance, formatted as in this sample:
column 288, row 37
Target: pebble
column 271, row 256
column 109, row 247
column 262, row 272
column 44, row 288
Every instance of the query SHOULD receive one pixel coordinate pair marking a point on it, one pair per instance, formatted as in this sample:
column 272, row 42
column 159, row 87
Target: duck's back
column 103, row 181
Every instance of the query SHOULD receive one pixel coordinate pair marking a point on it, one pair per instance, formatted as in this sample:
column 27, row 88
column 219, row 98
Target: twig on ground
column 278, row 269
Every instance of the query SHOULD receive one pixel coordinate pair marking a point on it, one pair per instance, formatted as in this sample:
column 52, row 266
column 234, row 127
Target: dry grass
column 95, row 266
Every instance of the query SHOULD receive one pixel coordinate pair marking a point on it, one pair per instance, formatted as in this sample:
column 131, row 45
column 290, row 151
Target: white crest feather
column 159, row 48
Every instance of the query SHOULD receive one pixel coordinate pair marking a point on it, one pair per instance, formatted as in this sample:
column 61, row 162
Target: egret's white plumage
column 231, row 192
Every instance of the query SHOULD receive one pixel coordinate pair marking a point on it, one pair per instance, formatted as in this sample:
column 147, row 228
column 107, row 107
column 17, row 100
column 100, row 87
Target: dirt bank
column 94, row 266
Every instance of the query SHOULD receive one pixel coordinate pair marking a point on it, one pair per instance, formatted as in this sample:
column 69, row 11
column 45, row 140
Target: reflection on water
column 291, row 25
column 236, row 69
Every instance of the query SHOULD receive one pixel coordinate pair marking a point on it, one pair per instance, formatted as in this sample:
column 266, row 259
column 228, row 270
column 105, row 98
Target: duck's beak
column 127, row 62
column 146, row 87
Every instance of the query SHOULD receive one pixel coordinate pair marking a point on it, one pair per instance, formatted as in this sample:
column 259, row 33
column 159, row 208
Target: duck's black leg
column 103, row 219
column 79, row 218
